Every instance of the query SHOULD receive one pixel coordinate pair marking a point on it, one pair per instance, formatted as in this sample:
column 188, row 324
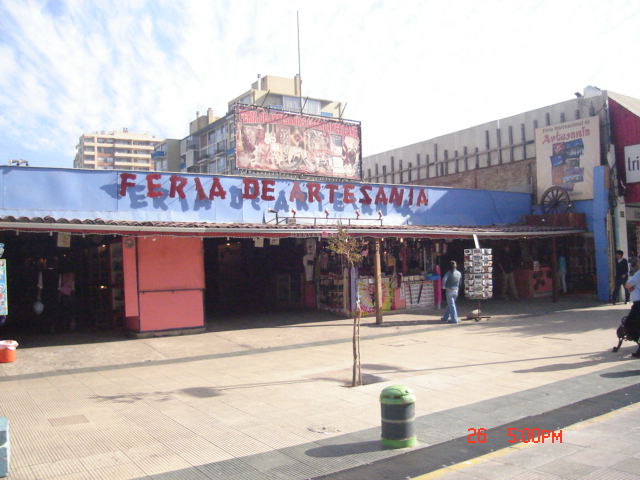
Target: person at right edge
column 622, row 274
column 451, row 283
column 632, row 324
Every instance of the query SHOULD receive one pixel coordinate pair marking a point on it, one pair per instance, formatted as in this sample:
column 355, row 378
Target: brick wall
column 512, row 177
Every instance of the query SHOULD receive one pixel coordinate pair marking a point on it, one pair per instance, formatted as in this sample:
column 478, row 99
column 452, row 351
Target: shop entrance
column 243, row 275
column 77, row 281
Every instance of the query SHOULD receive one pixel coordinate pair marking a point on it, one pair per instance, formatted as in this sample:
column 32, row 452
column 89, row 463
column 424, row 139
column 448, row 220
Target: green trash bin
column 397, row 407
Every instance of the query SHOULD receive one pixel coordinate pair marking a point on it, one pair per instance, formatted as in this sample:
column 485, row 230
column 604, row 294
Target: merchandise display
column 478, row 267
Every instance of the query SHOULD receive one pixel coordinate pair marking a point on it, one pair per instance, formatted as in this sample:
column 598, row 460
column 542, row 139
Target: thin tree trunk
column 354, row 377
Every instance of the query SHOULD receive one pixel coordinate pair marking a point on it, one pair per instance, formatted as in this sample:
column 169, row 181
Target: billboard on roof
column 566, row 155
column 277, row 141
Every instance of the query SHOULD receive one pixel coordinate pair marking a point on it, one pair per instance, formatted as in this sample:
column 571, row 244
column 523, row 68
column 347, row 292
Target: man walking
column 622, row 274
column 451, row 283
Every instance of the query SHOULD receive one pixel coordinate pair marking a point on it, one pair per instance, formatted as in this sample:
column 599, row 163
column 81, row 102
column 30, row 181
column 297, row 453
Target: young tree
column 350, row 249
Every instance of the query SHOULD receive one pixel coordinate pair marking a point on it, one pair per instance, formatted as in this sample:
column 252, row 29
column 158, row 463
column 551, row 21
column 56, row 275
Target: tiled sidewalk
column 270, row 402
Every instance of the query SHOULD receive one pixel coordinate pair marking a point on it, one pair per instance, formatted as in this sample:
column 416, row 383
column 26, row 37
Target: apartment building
column 115, row 150
column 210, row 146
column 166, row 156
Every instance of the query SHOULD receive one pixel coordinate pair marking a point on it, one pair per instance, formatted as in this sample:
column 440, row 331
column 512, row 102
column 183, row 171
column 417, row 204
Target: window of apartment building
column 161, row 165
column 291, row 103
column 312, row 107
column 105, row 149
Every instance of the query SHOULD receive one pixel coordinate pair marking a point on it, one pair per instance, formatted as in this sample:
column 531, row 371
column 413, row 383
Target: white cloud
column 408, row 70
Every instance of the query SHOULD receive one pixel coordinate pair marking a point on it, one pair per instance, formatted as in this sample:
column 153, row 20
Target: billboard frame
column 290, row 135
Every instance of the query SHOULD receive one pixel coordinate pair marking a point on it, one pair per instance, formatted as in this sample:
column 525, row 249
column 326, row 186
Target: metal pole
column 299, row 68
column 378, row 280
column 554, row 269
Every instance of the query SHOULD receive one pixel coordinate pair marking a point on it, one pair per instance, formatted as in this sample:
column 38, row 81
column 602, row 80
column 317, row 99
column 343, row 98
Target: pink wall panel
column 166, row 263
column 171, row 310
column 170, row 282
column 625, row 130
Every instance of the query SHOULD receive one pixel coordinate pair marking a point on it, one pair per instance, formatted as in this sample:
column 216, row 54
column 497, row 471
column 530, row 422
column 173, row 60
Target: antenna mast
column 299, row 69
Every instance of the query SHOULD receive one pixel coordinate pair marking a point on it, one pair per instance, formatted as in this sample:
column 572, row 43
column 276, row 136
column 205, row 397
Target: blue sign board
column 182, row 197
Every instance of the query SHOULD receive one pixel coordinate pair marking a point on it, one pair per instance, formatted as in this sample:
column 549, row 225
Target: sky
column 408, row 70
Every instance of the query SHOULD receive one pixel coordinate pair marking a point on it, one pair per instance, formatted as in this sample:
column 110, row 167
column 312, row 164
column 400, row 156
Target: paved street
column 264, row 397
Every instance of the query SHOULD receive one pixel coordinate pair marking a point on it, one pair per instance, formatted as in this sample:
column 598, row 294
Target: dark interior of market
column 37, row 267
column 247, row 276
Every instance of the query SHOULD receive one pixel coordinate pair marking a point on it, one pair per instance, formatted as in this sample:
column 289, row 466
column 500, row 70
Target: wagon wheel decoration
column 555, row 200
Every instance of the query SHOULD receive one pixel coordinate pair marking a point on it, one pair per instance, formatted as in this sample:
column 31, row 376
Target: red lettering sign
column 296, row 193
column 177, row 186
column 348, row 194
column 251, row 188
column 314, row 192
column 267, row 189
column 422, row 198
column 199, row 189
column 366, row 199
column 381, row 197
column 217, row 190
column 154, row 190
column 332, row 191
column 396, row 196
column 125, row 183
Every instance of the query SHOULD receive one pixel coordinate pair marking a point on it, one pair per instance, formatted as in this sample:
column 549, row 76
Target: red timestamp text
column 515, row 435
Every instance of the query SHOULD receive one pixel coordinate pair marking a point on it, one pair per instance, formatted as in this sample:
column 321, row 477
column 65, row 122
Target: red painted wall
column 170, row 283
column 625, row 130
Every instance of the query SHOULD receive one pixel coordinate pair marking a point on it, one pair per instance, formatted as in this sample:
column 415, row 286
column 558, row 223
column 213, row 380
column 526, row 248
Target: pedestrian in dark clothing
column 632, row 325
column 622, row 274
column 451, row 282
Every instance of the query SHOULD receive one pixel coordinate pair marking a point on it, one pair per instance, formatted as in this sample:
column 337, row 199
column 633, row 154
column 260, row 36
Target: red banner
column 268, row 140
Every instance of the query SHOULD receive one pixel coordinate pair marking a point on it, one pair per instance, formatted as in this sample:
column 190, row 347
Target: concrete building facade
column 559, row 146
column 116, row 149
column 499, row 155
column 166, row 155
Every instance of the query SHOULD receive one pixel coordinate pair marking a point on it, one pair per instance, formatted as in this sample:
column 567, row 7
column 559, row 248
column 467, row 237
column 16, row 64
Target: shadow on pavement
column 593, row 359
column 342, row 449
column 629, row 373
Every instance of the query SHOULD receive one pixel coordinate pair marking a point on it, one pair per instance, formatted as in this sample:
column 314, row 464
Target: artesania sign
column 281, row 192
column 566, row 155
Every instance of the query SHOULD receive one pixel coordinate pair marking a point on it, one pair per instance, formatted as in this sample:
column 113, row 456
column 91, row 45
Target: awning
column 318, row 228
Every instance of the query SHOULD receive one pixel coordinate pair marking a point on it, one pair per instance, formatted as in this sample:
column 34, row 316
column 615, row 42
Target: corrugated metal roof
column 206, row 229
